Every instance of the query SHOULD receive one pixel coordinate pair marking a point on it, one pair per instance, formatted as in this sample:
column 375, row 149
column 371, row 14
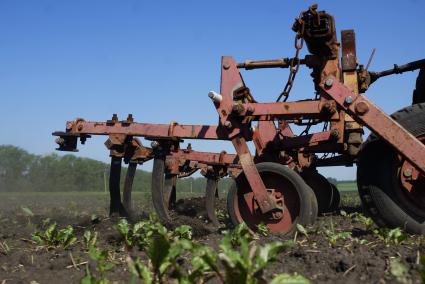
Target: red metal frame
column 242, row 119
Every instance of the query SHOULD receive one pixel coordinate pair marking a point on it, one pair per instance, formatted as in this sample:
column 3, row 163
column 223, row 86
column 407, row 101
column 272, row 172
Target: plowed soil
column 363, row 257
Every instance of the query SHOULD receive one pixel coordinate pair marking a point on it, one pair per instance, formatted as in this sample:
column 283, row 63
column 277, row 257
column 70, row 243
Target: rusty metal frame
column 338, row 104
column 366, row 112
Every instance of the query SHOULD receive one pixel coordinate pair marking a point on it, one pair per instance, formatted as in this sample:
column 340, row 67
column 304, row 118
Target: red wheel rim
column 283, row 190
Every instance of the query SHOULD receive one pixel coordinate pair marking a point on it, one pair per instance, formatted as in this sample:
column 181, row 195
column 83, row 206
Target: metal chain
column 294, row 64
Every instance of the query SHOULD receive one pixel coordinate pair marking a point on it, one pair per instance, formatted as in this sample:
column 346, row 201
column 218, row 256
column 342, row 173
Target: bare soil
column 361, row 258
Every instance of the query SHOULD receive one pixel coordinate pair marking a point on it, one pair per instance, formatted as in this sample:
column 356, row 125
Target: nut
column 408, row 172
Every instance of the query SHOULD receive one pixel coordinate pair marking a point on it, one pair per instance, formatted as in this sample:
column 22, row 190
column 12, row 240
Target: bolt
column 228, row 124
column 154, row 144
column 408, row 172
column 348, row 100
column 278, row 215
column 60, row 141
column 80, row 127
column 334, row 134
column 226, row 65
column 329, row 82
column 361, row 107
column 215, row 97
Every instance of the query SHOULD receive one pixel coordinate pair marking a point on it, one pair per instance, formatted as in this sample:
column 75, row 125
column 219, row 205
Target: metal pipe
column 272, row 63
column 398, row 69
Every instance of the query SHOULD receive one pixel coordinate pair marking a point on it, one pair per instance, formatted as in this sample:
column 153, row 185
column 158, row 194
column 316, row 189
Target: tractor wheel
column 419, row 92
column 391, row 190
column 289, row 190
column 322, row 189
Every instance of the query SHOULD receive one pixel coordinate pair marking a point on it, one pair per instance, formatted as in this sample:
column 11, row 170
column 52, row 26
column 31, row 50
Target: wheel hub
column 277, row 196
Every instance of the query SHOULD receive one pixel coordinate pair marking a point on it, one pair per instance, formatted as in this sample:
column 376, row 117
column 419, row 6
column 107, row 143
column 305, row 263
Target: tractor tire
column 419, row 92
column 380, row 188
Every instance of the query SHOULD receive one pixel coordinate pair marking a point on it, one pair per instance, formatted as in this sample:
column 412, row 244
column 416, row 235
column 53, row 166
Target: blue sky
column 158, row 60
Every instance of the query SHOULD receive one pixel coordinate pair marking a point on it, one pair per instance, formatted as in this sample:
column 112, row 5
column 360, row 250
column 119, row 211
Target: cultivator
column 279, row 185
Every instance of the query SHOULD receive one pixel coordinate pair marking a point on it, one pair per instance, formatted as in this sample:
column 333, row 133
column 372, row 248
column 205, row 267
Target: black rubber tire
column 157, row 189
column 336, row 199
column 378, row 183
column 419, row 92
column 307, row 211
column 322, row 189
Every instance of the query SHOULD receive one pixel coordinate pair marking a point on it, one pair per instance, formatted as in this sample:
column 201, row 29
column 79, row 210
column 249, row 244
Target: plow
column 278, row 185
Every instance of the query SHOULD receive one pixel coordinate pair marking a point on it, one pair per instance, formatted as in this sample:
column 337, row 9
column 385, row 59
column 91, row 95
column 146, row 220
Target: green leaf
column 399, row 270
column 262, row 229
column 183, row 232
column 38, row 239
column 27, row 211
column 285, row 278
column 123, row 228
column 143, row 272
column 89, row 239
column 158, row 251
column 269, row 252
column 204, row 261
column 51, row 233
column 302, row 230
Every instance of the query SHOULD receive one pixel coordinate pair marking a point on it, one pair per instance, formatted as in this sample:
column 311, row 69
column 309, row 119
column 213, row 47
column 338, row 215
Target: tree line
column 22, row 171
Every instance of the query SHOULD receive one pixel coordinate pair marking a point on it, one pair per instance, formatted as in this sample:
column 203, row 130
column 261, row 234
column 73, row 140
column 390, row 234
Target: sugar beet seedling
column 279, row 185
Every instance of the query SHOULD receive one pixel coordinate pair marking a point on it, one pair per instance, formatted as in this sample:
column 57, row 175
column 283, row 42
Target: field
column 341, row 248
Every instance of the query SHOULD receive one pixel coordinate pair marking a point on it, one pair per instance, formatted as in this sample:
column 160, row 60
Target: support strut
column 128, row 186
column 211, row 196
column 116, row 207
